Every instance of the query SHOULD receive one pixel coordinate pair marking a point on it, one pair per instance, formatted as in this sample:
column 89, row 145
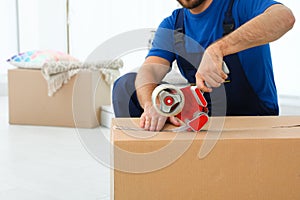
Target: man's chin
column 190, row 4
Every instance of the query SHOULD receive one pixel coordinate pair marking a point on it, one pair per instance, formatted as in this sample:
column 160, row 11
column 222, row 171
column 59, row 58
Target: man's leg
column 124, row 99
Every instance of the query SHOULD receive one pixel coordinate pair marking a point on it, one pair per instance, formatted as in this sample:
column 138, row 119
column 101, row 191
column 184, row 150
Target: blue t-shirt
column 207, row 27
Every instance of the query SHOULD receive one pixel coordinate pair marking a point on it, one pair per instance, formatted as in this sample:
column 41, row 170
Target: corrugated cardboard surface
column 29, row 103
column 254, row 158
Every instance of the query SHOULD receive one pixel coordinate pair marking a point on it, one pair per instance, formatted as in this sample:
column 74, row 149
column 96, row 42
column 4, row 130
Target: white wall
column 92, row 22
column 8, row 33
column 8, row 39
column 286, row 56
column 42, row 25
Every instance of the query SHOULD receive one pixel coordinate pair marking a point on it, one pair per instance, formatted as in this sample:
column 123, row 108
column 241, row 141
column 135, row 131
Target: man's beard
column 190, row 4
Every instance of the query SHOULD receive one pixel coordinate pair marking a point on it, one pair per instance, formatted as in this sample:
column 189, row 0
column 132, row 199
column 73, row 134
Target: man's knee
column 124, row 99
column 125, row 83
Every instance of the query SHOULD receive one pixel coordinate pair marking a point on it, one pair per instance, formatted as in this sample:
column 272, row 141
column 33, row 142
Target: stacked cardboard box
column 247, row 158
column 76, row 104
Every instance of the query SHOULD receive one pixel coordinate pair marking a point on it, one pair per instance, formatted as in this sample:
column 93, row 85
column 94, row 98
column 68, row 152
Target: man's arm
column 149, row 76
column 265, row 28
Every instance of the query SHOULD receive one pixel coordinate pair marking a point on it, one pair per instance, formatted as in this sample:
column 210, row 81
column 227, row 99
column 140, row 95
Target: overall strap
column 185, row 61
column 179, row 24
column 228, row 23
column 179, row 27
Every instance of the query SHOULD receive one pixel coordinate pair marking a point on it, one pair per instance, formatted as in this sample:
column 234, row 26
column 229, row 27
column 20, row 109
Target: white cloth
column 59, row 73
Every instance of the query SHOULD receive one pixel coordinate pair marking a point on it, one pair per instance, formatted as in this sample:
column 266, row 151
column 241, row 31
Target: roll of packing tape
column 167, row 99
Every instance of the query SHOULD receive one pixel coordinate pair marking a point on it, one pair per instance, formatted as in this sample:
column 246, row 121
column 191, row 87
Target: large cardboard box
column 76, row 104
column 250, row 158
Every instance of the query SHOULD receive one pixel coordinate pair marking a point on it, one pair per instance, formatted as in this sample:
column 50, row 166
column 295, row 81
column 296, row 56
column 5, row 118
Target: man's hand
column 149, row 76
column 152, row 121
column 210, row 73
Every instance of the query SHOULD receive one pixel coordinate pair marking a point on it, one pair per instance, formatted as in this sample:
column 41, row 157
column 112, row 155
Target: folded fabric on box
column 59, row 73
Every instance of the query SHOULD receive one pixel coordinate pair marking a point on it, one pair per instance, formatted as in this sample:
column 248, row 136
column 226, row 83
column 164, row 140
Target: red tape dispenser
column 187, row 104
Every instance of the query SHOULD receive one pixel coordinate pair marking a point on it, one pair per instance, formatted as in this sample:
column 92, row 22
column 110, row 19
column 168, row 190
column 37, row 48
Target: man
column 237, row 32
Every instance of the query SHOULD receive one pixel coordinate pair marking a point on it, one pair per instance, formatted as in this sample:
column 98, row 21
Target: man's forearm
column 144, row 94
column 148, row 77
column 144, row 84
column 265, row 28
